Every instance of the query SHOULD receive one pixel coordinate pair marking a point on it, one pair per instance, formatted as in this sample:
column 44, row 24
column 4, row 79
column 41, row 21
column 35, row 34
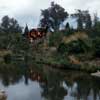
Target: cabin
column 37, row 34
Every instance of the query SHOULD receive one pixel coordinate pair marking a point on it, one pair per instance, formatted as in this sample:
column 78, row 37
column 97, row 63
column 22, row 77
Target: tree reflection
column 53, row 88
column 77, row 84
column 86, row 84
column 12, row 73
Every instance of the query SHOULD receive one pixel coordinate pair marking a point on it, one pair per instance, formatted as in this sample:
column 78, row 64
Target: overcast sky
column 28, row 11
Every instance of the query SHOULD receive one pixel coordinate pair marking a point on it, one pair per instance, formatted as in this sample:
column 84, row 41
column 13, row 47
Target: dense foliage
column 9, row 25
column 53, row 16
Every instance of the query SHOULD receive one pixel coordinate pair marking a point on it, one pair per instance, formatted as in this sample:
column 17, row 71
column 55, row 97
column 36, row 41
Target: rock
column 53, row 49
column 3, row 95
column 97, row 74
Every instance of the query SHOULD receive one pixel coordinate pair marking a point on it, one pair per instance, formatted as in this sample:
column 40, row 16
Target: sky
column 28, row 11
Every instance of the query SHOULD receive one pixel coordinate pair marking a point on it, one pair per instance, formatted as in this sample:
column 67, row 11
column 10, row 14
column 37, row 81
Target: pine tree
column 79, row 16
column 26, row 30
column 67, row 26
column 88, row 22
column 95, row 20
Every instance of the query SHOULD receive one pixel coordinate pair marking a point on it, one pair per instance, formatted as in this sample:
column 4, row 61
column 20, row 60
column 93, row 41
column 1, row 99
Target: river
column 29, row 82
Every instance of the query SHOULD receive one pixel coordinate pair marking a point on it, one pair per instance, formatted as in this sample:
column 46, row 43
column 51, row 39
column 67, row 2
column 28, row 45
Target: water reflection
column 53, row 87
column 27, row 81
column 22, row 92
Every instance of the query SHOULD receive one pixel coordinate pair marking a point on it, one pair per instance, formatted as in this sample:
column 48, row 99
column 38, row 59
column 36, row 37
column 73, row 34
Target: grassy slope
column 74, row 61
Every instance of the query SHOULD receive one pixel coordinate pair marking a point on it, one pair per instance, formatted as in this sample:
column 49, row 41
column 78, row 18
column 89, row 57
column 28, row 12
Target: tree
column 53, row 16
column 96, row 45
column 9, row 31
column 14, row 26
column 10, row 25
column 79, row 17
column 67, row 26
column 26, row 30
column 95, row 20
column 83, row 17
column 88, row 21
column 68, row 29
column 96, row 26
column 5, row 24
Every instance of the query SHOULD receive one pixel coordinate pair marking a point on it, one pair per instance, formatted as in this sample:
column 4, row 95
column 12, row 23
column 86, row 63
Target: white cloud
column 28, row 11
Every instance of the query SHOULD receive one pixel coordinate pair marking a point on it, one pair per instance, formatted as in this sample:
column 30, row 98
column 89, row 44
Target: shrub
column 62, row 48
column 55, row 39
column 7, row 58
column 75, row 47
column 78, row 46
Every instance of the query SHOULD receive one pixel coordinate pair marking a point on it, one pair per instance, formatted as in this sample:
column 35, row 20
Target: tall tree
column 53, row 16
column 26, row 30
column 10, row 25
column 67, row 26
column 95, row 22
column 5, row 24
column 83, row 17
column 80, row 23
column 8, row 29
column 14, row 27
column 79, row 16
column 96, row 26
column 88, row 21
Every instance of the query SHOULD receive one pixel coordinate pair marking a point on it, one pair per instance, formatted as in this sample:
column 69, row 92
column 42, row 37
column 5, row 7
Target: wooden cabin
column 37, row 34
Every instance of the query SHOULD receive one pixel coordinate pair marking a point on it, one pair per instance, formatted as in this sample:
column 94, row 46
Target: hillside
column 75, row 37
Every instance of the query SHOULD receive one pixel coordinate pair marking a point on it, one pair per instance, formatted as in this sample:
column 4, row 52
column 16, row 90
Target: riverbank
column 61, row 62
column 97, row 74
column 89, row 66
column 78, row 67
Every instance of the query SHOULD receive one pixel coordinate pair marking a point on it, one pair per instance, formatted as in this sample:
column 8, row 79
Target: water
column 29, row 82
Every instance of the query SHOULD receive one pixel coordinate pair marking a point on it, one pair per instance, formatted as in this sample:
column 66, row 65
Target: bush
column 55, row 39
column 75, row 47
column 7, row 58
column 62, row 48
column 78, row 46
